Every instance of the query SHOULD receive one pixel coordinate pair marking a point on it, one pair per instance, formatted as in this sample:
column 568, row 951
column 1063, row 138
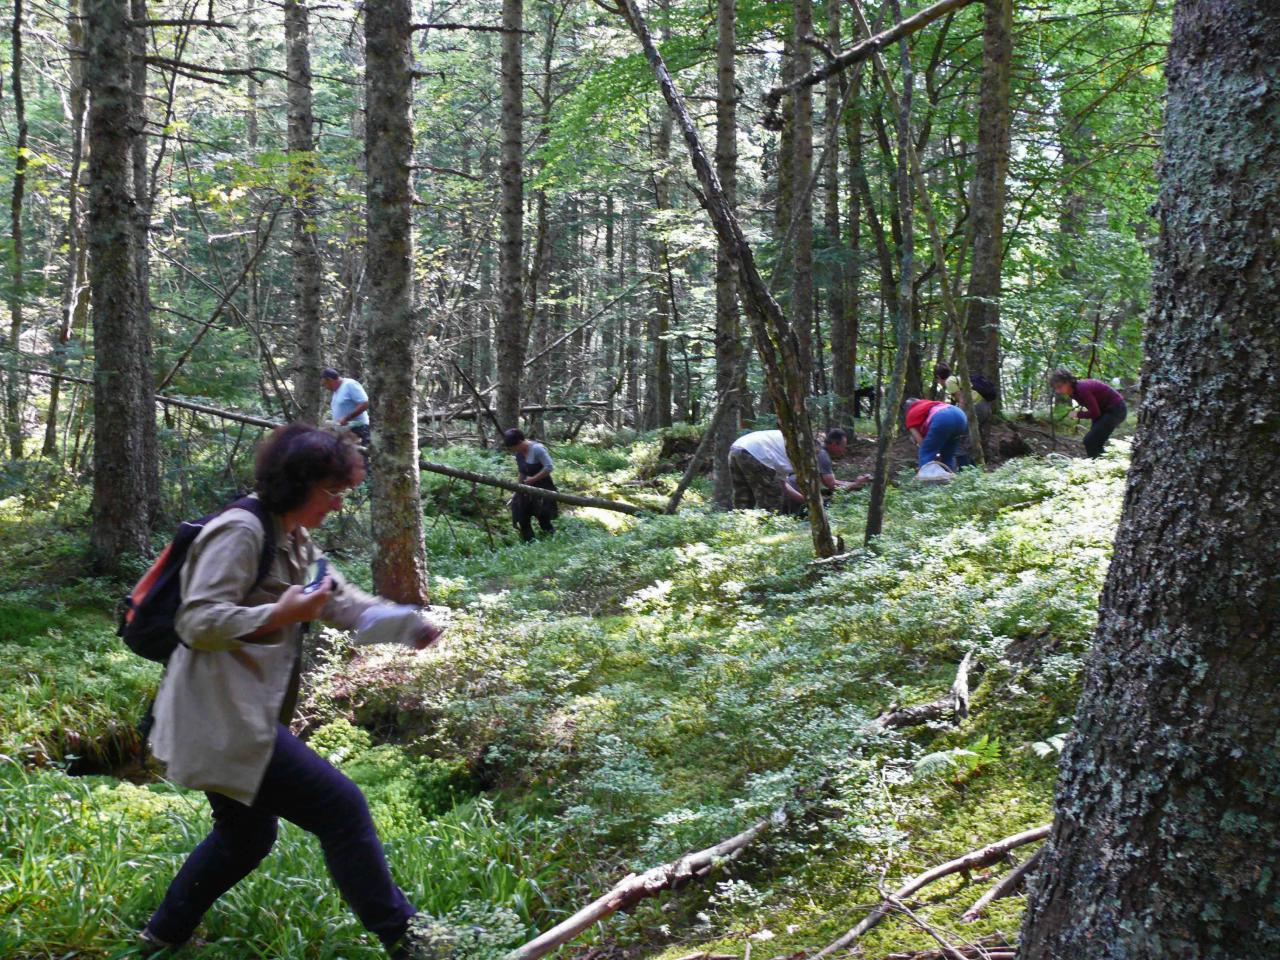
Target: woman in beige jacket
column 228, row 694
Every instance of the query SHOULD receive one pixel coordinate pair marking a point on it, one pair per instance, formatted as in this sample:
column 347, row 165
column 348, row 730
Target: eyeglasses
column 335, row 494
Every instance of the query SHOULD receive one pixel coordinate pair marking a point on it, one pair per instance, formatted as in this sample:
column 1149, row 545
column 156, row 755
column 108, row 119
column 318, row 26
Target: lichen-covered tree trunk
column 510, row 326
column 728, row 329
column 988, row 193
column 1166, row 840
column 123, row 472
column 399, row 561
column 307, row 265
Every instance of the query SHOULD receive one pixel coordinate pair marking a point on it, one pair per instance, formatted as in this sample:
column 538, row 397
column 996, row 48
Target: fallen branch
column 636, row 887
column 954, row 704
column 1006, row 887
column 993, row 947
column 570, row 498
column 173, row 402
column 982, row 857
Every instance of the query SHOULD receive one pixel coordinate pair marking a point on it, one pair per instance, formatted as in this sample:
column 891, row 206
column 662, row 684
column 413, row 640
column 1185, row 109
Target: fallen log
column 954, row 704
column 174, row 402
column 570, row 498
column 1006, row 887
column 993, row 947
column 982, row 857
column 633, row 888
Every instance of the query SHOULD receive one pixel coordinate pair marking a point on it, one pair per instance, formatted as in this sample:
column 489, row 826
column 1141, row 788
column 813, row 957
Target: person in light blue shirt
column 349, row 405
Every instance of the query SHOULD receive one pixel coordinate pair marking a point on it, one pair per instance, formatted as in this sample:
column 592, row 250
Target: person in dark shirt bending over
column 1098, row 402
column 534, row 466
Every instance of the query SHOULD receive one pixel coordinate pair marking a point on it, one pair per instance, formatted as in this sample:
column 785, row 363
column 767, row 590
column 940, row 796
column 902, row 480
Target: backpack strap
column 254, row 506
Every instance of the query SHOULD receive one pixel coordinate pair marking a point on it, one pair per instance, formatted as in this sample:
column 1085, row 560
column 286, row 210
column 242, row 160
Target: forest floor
column 605, row 700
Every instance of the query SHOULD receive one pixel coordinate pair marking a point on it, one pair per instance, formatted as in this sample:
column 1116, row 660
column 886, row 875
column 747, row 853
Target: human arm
column 356, row 411
column 916, row 435
column 349, row 608
column 221, row 572
column 791, row 492
column 1088, row 399
column 538, row 457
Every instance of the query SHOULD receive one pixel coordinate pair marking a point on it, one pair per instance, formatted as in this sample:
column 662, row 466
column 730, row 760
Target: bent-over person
column 534, row 466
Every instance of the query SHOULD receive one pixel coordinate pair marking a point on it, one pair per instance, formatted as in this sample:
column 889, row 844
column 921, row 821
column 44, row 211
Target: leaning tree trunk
column 124, row 415
column 399, row 562
column 510, row 326
column 13, row 396
column 728, row 332
column 303, row 176
column 775, row 340
column 1167, row 831
column 987, row 205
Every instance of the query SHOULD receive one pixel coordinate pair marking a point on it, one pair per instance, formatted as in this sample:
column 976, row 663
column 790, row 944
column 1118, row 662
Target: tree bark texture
column 982, row 312
column 510, row 326
column 399, row 562
column 303, row 175
column 124, row 418
column 728, row 328
column 1166, row 838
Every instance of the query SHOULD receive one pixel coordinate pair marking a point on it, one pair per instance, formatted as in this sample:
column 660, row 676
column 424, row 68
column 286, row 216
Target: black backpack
column 986, row 389
column 149, row 611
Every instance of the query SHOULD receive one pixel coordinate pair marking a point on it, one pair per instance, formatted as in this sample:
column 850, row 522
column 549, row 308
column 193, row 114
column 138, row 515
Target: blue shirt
column 346, row 398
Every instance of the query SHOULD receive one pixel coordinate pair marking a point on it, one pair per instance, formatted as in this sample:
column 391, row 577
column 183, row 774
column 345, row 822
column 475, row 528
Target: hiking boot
column 425, row 939
column 153, row 946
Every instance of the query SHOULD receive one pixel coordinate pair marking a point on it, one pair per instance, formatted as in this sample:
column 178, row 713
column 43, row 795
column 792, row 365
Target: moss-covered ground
column 605, row 699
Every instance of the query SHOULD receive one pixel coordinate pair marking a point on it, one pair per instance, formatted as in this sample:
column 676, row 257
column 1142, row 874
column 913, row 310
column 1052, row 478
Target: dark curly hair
column 294, row 458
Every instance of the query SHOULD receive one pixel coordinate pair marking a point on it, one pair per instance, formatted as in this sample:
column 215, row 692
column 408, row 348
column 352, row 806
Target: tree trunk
column 13, row 396
column 728, row 330
column 510, row 326
column 75, row 288
column 845, row 364
column 802, row 198
column 660, row 326
column 891, row 413
column 399, row 562
column 1167, row 833
column 303, row 174
column 124, row 415
column 841, row 354
column 988, row 189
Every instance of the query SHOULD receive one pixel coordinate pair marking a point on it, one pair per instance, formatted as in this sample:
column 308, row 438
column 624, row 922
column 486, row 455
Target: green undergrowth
column 604, row 700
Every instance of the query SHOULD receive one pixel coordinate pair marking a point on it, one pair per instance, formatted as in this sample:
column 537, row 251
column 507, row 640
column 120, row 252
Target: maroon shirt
column 1096, row 397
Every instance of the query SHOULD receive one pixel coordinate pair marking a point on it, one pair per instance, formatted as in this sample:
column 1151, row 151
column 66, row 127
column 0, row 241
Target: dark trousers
column 1095, row 441
column 361, row 430
column 306, row 790
column 525, row 508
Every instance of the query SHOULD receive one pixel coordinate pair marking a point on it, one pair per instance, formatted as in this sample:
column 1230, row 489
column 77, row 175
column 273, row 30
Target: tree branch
column 860, row 51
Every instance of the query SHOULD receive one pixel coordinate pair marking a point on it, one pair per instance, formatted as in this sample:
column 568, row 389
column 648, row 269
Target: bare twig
column 1006, row 887
column 982, row 857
